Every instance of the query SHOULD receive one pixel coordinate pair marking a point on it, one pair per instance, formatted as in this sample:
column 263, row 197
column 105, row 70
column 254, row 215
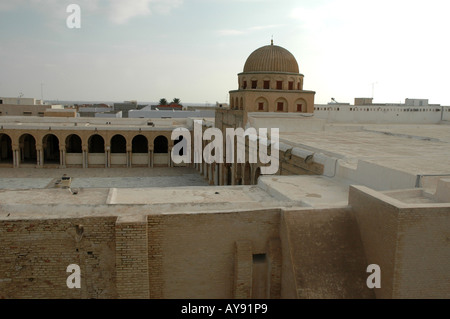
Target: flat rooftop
column 415, row 149
column 33, row 178
column 384, row 150
column 90, row 123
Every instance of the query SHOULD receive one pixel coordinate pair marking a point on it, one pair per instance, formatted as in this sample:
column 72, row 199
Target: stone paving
column 27, row 178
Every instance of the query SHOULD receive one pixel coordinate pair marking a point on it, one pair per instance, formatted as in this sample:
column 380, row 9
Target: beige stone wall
column 132, row 275
column 19, row 110
column 288, row 282
column 410, row 244
column 195, row 253
column 34, row 256
column 327, row 254
column 423, row 253
column 378, row 224
column 287, row 253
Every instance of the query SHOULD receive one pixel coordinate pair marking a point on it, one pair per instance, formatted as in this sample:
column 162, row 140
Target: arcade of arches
column 95, row 149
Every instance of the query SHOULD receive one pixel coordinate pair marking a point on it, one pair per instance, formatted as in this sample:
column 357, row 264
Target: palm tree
column 163, row 102
column 176, row 101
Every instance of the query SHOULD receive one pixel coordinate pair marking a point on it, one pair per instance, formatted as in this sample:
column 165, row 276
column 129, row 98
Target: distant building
column 126, row 106
column 150, row 112
column 60, row 113
column 413, row 111
column 92, row 111
column 20, row 106
column 20, row 101
column 168, row 107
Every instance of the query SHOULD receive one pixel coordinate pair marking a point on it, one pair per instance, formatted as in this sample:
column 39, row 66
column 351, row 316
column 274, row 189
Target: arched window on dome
column 279, row 85
column 300, row 106
column 281, row 105
column 262, row 104
column 266, row 84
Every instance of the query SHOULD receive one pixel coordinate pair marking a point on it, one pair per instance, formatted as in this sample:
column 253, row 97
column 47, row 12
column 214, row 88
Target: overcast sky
column 193, row 49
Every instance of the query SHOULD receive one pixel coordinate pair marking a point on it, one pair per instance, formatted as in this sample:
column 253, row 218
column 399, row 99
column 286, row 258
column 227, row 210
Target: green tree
column 163, row 102
column 176, row 101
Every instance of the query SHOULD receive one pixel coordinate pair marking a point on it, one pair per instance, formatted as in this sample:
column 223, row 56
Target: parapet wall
column 410, row 243
column 326, row 253
column 136, row 252
column 382, row 114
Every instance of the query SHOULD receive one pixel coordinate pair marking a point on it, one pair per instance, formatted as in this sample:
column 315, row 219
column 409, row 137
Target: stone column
column 62, row 156
column 39, row 157
column 129, row 157
column 85, row 157
column 152, row 157
column 16, row 159
column 107, row 156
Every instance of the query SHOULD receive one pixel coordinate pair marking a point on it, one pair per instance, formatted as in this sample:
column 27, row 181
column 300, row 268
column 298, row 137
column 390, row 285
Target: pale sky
column 193, row 49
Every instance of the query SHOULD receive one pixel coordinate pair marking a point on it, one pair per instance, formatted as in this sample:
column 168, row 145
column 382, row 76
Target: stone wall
column 410, row 243
column 327, row 255
column 195, row 253
column 34, row 256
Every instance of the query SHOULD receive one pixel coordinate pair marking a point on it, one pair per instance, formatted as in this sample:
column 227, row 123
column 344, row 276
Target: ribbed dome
column 271, row 58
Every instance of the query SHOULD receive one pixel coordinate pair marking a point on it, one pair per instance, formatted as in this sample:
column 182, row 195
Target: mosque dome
column 271, row 58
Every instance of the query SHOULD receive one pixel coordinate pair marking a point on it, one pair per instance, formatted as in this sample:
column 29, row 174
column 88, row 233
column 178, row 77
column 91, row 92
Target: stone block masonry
column 34, row 255
column 132, row 257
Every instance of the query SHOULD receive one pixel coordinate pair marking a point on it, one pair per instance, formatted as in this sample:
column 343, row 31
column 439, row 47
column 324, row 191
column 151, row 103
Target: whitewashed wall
column 374, row 114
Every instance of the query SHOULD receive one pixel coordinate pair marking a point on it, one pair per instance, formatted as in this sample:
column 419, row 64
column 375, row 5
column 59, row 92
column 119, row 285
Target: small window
column 254, row 84
column 280, row 106
column 299, row 108
column 298, row 86
column 266, row 85
column 291, row 86
column 259, row 258
column 27, row 113
column 244, row 86
column 40, row 114
column 261, row 106
column 1, row 101
column 279, row 85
